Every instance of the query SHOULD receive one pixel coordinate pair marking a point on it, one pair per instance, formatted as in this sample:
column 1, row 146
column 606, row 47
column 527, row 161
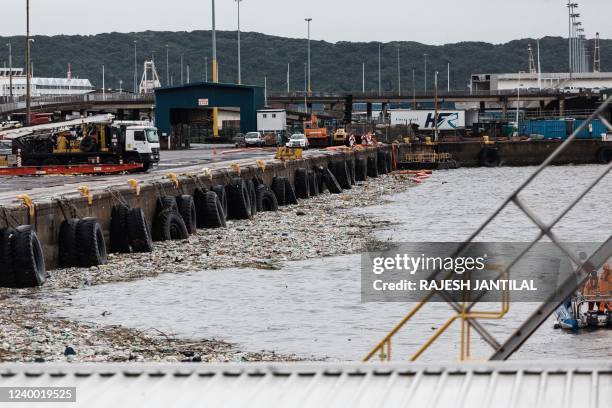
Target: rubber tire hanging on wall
column 7, row 272
column 278, row 187
column 372, row 166
column 239, row 199
column 604, row 155
column 167, row 203
column 321, row 178
column 139, row 231
column 90, row 243
column 169, row 225
column 313, row 183
column 351, row 168
column 28, row 258
column 119, row 239
column 381, row 159
column 220, row 191
column 361, row 169
column 341, row 172
column 302, row 183
column 332, row 184
column 199, row 200
column 290, row 197
column 266, row 199
column 68, row 252
column 187, row 210
column 212, row 215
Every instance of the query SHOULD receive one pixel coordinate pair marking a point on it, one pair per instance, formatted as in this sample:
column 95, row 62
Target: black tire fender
column 212, row 214
column 278, row 187
column 604, row 155
column 68, row 253
column 239, row 199
column 252, row 197
column 332, row 184
column 266, row 199
column 361, row 169
column 169, row 225
column 90, row 243
column 302, row 184
column 119, row 239
column 187, row 210
column 372, row 166
column 290, row 197
column 7, row 272
column 489, row 157
column 220, row 191
column 139, row 231
column 28, row 258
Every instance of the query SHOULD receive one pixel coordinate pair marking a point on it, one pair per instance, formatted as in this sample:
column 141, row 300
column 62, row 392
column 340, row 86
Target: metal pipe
column 239, row 66
column 308, row 20
column 135, row 70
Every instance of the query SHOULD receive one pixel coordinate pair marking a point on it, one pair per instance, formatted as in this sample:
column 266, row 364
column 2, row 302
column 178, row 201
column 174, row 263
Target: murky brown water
column 313, row 308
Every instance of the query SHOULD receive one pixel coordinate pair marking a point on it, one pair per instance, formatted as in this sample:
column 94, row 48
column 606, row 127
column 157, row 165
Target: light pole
column 167, row 64
column 436, row 106
column 518, row 101
column 182, row 82
column 239, row 67
column 214, row 70
column 448, row 77
column 120, row 86
column 363, row 77
column 399, row 74
column 414, row 105
column 10, row 47
column 379, row 75
column 103, row 84
column 288, row 77
column 308, row 20
column 135, row 70
column 28, row 68
column 425, row 55
column 206, row 69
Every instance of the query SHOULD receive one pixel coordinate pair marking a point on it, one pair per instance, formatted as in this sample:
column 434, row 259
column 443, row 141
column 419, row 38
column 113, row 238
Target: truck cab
column 141, row 145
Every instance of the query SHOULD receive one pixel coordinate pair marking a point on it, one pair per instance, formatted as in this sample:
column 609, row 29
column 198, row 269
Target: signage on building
column 203, row 102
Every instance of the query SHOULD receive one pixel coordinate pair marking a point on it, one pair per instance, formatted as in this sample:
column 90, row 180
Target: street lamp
column 167, row 65
column 436, row 106
column 308, row 20
column 425, row 55
column 135, row 70
column 10, row 47
column 518, row 101
column 239, row 67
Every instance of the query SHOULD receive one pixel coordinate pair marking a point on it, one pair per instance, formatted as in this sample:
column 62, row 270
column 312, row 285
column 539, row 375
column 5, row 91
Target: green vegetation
column 335, row 67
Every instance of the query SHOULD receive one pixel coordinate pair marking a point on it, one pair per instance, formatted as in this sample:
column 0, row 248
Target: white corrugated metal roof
column 500, row 384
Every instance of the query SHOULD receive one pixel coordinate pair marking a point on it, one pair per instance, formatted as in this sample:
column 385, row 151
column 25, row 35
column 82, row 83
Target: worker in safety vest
column 364, row 139
column 590, row 289
column 352, row 140
column 369, row 138
column 605, row 287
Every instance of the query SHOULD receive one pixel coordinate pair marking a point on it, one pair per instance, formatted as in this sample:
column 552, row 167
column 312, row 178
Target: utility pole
column 135, row 70
column 188, row 73
column 239, row 67
column 288, row 76
column 167, row 65
column 379, row 73
column 103, row 83
column 518, row 102
column 399, row 74
column 206, row 69
column 214, row 70
column 414, row 105
column 265, row 91
column 182, row 82
column 28, row 67
column 596, row 56
column 10, row 47
column 425, row 55
column 363, row 77
column 448, row 77
column 436, row 106
column 305, row 88
column 308, row 20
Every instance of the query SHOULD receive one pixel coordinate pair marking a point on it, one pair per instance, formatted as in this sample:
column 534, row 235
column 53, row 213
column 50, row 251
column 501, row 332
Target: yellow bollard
column 174, row 178
column 27, row 201
column 135, row 185
column 84, row 190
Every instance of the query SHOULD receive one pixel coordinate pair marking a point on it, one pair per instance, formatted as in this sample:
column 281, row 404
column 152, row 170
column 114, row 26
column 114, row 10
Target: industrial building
column 191, row 105
column 545, row 81
column 40, row 86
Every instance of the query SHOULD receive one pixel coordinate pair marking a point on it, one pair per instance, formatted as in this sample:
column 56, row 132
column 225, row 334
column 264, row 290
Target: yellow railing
column 383, row 348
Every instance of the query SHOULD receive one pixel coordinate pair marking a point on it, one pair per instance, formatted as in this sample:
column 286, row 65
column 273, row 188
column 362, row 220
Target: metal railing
column 581, row 270
column 418, row 94
column 19, row 103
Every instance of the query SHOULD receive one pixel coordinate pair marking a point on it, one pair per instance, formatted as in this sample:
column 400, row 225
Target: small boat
column 582, row 312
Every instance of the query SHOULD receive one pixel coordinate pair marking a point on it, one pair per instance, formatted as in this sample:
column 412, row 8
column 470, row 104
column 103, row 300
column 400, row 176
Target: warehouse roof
column 509, row 384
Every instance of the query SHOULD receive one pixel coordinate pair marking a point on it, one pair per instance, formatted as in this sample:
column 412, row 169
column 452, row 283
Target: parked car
column 298, row 140
column 239, row 140
column 254, row 139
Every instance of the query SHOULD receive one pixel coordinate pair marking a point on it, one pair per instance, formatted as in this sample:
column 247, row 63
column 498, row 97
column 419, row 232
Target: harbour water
column 313, row 308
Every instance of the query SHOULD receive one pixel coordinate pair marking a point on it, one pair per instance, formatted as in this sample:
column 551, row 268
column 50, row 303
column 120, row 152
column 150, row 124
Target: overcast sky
column 426, row 21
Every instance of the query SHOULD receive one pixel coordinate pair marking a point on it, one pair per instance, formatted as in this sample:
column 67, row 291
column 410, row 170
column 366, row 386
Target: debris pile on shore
column 326, row 225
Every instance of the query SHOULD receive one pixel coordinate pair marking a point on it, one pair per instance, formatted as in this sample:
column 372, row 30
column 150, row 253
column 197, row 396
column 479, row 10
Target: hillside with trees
column 335, row 66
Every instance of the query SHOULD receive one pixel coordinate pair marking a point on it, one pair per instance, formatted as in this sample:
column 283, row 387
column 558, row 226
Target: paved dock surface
column 192, row 160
